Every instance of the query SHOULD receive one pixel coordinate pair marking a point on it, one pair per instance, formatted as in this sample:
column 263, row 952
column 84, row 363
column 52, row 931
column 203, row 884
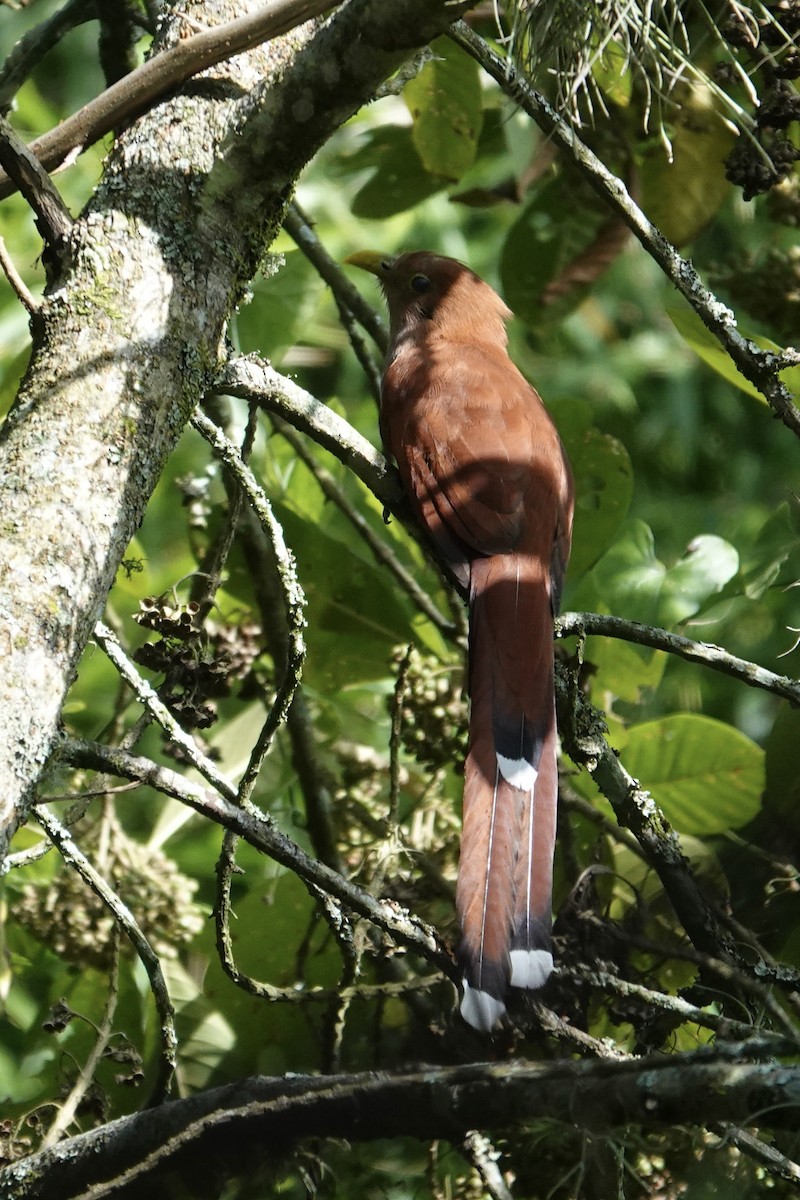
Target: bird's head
column 427, row 291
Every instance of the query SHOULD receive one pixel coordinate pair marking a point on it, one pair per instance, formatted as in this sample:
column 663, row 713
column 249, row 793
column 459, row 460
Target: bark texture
column 128, row 337
column 253, row 1123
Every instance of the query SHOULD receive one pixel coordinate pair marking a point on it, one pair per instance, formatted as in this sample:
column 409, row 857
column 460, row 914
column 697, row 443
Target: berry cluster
column 434, row 712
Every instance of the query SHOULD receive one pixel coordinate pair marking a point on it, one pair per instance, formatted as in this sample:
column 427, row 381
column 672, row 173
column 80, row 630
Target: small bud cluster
column 75, row 923
column 434, row 712
column 199, row 663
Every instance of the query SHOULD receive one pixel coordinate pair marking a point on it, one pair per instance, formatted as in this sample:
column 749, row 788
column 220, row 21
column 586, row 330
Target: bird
column 488, row 477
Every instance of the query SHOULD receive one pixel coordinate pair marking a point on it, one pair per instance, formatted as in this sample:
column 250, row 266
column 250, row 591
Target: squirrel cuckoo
column 488, row 478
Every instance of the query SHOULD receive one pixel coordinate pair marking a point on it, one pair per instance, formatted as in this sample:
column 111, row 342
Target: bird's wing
column 484, row 467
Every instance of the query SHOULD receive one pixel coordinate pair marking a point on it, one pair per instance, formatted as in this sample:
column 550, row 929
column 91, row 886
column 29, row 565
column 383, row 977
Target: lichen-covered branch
column 715, row 657
column 257, row 1119
column 262, row 833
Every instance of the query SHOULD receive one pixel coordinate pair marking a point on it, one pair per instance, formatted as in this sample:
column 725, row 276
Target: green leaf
column 681, row 196
column 356, row 612
column 622, row 670
column 445, row 102
column 603, row 489
column 280, row 308
column 705, row 775
column 399, row 181
column 707, row 565
column 774, row 546
column 556, row 226
column 707, row 348
column 631, row 582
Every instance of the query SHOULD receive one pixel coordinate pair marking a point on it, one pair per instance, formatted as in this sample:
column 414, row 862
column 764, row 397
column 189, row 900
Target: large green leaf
column 603, row 488
column 707, row 347
column 631, row 582
column 707, row 776
column 445, row 102
column 356, row 612
column 623, row 671
column 280, row 308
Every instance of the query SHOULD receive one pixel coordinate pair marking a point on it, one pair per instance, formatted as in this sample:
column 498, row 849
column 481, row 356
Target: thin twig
column 395, row 741
column 726, row 1027
column 69, row 1105
column 577, row 624
column 483, row 1156
column 760, row 1151
column 209, row 577
column 33, row 45
column 380, row 550
column 299, row 227
column 293, row 598
column 315, row 778
column 155, row 706
column 736, row 977
column 261, row 832
column 74, row 857
column 13, row 276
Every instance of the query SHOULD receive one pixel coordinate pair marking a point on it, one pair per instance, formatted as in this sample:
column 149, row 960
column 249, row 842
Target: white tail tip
column 530, row 968
column 480, row 1010
column 518, row 772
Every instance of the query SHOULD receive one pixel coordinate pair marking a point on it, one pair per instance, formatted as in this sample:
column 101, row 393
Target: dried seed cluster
column 199, row 662
column 756, row 164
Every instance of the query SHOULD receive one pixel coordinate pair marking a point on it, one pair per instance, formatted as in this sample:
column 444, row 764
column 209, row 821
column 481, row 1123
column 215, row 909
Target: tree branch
column 74, row 857
column 761, row 367
column 33, row 45
column 582, row 732
column 256, row 1120
column 292, row 595
column 261, row 832
column 251, row 378
column 577, row 624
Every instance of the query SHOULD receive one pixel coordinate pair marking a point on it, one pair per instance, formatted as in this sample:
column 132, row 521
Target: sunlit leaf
column 682, row 194
column 707, row 776
column 444, row 100
column 630, row 581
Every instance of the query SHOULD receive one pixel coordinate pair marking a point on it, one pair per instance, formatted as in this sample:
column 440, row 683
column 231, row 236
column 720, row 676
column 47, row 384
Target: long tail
column 510, row 788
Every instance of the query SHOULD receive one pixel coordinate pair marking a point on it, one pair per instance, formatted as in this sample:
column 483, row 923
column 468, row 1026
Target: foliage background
column 686, row 519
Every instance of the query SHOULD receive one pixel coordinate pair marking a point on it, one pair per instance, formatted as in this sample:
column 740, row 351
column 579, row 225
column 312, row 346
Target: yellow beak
column 369, row 260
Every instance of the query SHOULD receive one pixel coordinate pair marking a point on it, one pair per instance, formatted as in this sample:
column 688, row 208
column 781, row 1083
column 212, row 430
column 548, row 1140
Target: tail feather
column 531, row 952
column 505, row 873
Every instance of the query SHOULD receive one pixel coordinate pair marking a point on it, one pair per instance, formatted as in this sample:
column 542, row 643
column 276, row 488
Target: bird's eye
column 421, row 283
